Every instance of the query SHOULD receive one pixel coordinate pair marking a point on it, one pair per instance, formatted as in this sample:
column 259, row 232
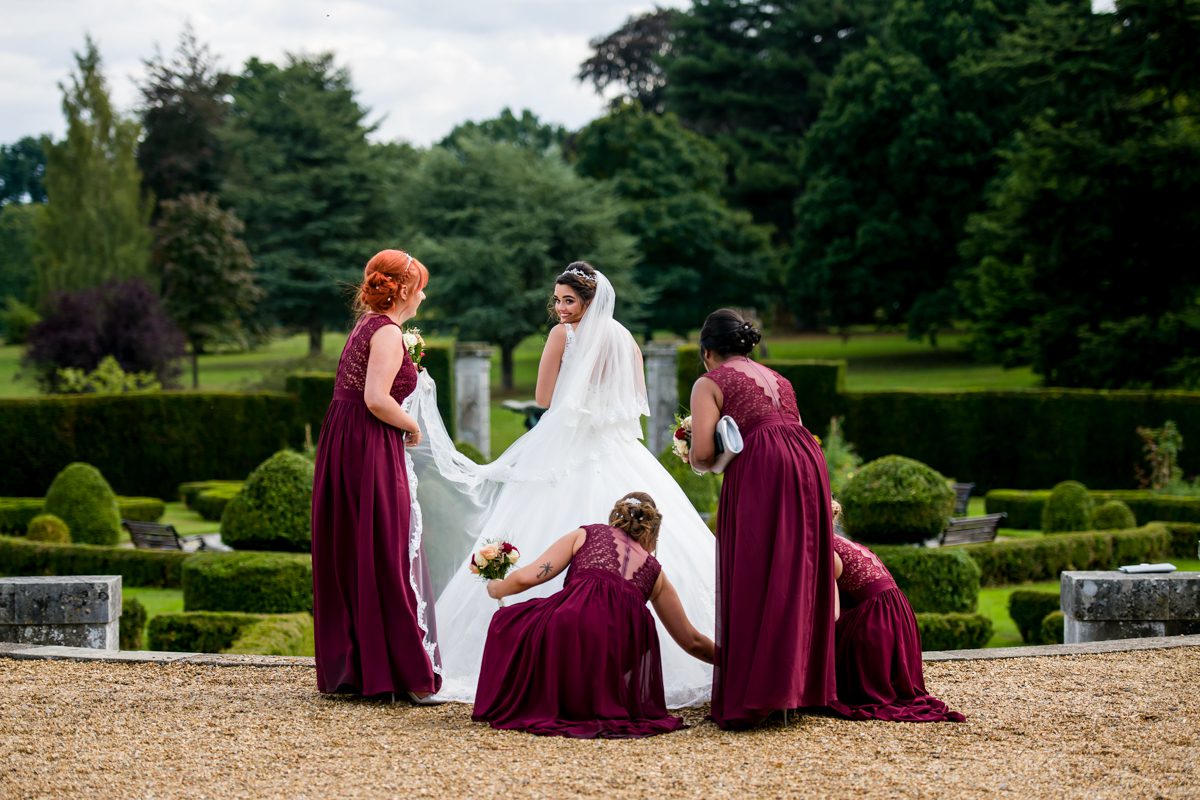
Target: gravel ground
column 1113, row 725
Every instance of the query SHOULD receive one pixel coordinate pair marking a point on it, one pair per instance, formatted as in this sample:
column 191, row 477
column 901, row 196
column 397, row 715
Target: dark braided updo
column 726, row 332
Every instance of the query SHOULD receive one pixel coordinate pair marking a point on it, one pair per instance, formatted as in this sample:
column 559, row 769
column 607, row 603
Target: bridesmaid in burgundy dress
column 879, row 673
column 584, row 662
column 775, row 581
column 374, row 635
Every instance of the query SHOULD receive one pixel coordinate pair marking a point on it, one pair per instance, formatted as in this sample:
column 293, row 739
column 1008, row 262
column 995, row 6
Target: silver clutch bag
column 729, row 443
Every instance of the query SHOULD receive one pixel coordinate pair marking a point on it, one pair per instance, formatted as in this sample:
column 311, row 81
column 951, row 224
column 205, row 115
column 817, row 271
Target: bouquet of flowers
column 681, row 441
column 494, row 559
column 415, row 344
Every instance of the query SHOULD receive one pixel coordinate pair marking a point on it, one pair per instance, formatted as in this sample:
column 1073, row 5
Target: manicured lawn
column 156, row 601
column 187, row 521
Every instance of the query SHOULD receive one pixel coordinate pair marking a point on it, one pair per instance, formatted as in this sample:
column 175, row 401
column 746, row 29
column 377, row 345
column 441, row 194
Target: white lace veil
column 600, row 385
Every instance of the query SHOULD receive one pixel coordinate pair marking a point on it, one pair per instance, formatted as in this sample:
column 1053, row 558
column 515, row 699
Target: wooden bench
column 526, row 408
column 962, row 496
column 156, row 536
column 969, row 530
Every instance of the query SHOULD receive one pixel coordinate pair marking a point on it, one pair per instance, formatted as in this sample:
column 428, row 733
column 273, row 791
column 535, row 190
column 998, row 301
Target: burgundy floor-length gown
column 879, row 672
column 369, row 636
column 583, row 662
column 774, row 631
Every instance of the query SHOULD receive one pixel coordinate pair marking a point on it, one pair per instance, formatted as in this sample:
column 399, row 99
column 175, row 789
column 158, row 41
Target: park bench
column 969, row 530
column 157, row 536
column 962, row 496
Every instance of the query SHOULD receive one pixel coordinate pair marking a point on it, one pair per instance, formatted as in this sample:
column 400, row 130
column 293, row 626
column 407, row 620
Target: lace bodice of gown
column 861, row 568
column 352, row 367
column 748, row 401
column 612, row 550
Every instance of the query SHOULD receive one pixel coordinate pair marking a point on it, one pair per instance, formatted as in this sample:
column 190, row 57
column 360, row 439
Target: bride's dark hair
column 637, row 515
column 580, row 276
column 726, row 332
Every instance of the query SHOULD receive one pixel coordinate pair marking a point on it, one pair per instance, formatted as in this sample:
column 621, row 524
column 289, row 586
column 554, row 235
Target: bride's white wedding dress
column 582, row 456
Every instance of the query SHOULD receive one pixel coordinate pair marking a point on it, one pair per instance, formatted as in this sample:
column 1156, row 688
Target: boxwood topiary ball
column 274, row 509
column 1113, row 516
column 1069, row 508
column 48, row 528
column 896, row 500
column 82, row 498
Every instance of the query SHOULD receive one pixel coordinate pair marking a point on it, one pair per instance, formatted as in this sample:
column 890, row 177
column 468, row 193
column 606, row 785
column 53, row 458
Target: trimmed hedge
column 132, row 624
column 144, row 443
column 273, row 511
column 220, row 632
column 210, row 503
column 17, row 512
column 1052, row 628
column 1024, row 507
column 953, row 631
column 48, row 528
column 197, row 632
column 264, row 583
column 82, row 498
column 1043, row 558
column 1185, row 539
column 1113, row 515
column 934, row 579
column 688, row 367
column 1028, row 608
column 314, row 390
column 136, row 567
column 896, row 500
column 1068, row 509
column 1023, row 439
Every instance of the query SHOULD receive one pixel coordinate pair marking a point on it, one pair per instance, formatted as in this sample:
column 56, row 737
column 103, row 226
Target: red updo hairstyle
column 390, row 278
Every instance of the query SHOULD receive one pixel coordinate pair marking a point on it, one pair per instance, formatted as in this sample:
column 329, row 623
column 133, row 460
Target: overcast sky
column 420, row 66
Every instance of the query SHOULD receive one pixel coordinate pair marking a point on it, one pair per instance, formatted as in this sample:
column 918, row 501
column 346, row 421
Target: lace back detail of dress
column 860, row 567
column 352, row 367
column 751, row 392
column 610, row 549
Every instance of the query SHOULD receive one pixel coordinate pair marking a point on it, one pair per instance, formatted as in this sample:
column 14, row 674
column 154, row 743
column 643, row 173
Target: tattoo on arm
column 545, row 570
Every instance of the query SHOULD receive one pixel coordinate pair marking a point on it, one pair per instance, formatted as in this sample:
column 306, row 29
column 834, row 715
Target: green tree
column 18, row 238
column 22, row 172
column 694, row 252
column 96, row 225
column 496, row 223
column 299, row 176
column 752, row 74
column 525, row 131
column 207, row 273
column 184, row 102
column 630, row 59
column 1080, row 254
column 896, row 161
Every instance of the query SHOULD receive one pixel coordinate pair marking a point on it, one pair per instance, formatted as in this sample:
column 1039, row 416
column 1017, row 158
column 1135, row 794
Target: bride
column 583, row 455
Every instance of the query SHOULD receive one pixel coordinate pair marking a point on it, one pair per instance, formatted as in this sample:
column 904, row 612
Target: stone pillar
column 473, row 394
column 662, row 390
column 69, row 611
column 1098, row 606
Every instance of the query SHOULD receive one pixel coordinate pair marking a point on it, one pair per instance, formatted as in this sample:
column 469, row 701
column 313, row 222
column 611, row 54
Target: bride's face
column 567, row 304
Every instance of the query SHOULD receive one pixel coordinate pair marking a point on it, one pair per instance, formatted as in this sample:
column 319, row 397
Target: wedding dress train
column 582, row 456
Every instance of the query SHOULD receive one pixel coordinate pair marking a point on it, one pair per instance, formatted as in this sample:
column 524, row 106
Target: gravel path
column 1113, row 725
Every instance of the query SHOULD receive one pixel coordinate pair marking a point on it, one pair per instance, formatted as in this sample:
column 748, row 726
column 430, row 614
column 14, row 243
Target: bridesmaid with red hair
column 372, row 609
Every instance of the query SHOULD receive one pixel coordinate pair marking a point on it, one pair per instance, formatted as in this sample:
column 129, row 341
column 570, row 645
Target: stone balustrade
column 68, row 611
column 1098, row 606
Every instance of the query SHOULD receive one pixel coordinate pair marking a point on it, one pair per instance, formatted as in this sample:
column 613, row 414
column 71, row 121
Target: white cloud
column 421, row 66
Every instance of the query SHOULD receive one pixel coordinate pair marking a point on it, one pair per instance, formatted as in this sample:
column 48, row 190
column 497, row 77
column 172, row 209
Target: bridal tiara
column 579, row 273
column 633, row 501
